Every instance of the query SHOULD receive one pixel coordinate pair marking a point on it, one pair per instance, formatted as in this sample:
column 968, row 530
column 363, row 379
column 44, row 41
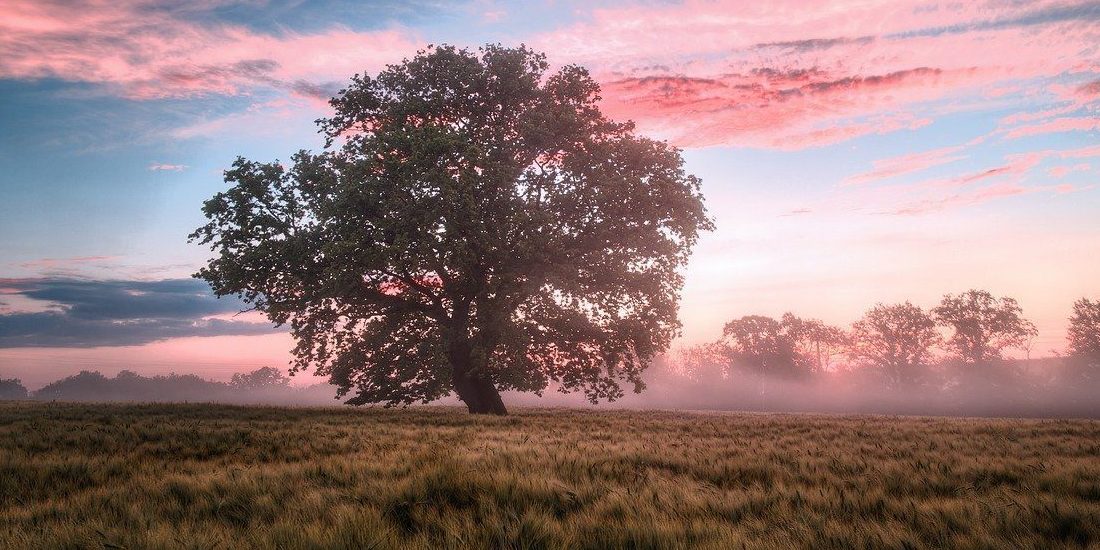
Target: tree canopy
column 1084, row 329
column 897, row 338
column 788, row 347
column 1083, row 337
column 474, row 224
column 12, row 388
column 983, row 326
column 263, row 378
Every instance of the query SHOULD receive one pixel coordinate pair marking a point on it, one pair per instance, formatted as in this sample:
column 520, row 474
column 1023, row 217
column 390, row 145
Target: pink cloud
column 1089, row 89
column 845, row 130
column 976, row 197
column 1015, row 165
column 697, row 73
column 1018, row 164
column 53, row 263
column 737, row 73
column 1083, row 152
column 1006, row 179
column 1070, row 100
column 147, row 51
column 1065, row 124
column 1030, row 159
column 1063, row 171
column 1052, row 112
column 906, row 164
column 775, row 109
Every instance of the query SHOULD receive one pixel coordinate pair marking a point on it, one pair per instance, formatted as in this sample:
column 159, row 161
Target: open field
column 213, row 476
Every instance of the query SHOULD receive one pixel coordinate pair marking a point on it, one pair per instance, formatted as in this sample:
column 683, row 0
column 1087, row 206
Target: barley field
column 215, row 476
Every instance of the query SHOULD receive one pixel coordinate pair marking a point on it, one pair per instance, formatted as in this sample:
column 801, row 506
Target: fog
column 1048, row 387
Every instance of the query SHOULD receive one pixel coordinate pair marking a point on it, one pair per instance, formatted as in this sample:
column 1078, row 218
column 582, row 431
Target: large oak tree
column 474, row 224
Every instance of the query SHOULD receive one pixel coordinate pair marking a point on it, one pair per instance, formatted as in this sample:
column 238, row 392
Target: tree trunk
column 490, row 398
column 478, row 393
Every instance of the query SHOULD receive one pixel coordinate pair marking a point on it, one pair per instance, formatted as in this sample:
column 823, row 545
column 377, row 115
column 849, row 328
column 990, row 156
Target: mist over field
column 1036, row 388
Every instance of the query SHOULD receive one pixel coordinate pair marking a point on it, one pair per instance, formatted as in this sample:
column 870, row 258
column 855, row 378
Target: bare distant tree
column 898, row 339
column 982, row 326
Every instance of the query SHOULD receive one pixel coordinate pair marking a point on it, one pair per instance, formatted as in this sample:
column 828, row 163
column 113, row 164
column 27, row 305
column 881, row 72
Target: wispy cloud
column 971, row 189
column 786, row 75
column 975, row 197
column 162, row 167
column 907, row 164
column 57, row 263
column 144, row 50
column 791, row 75
column 1063, row 171
column 92, row 313
column 1027, row 173
column 798, row 212
column 1015, row 164
column 493, row 16
column 1089, row 89
column 1065, row 124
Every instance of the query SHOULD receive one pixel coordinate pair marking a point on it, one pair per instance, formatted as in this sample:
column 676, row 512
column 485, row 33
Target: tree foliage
column 262, row 378
column 1083, row 335
column 788, row 347
column 983, row 326
column 474, row 223
column 128, row 385
column 757, row 343
column 12, row 388
column 815, row 343
column 1084, row 329
column 899, row 339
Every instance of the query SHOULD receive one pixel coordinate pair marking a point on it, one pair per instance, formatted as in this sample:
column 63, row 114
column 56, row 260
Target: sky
column 851, row 152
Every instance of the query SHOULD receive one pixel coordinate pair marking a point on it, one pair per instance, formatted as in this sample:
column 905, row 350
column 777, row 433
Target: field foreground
column 213, row 476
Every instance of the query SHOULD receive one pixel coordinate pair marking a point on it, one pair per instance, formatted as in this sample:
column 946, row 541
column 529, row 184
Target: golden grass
column 214, row 476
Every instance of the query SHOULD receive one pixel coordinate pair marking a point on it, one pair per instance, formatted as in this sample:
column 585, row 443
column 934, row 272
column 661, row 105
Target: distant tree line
column 12, row 388
column 263, row 385
column 954, row 352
